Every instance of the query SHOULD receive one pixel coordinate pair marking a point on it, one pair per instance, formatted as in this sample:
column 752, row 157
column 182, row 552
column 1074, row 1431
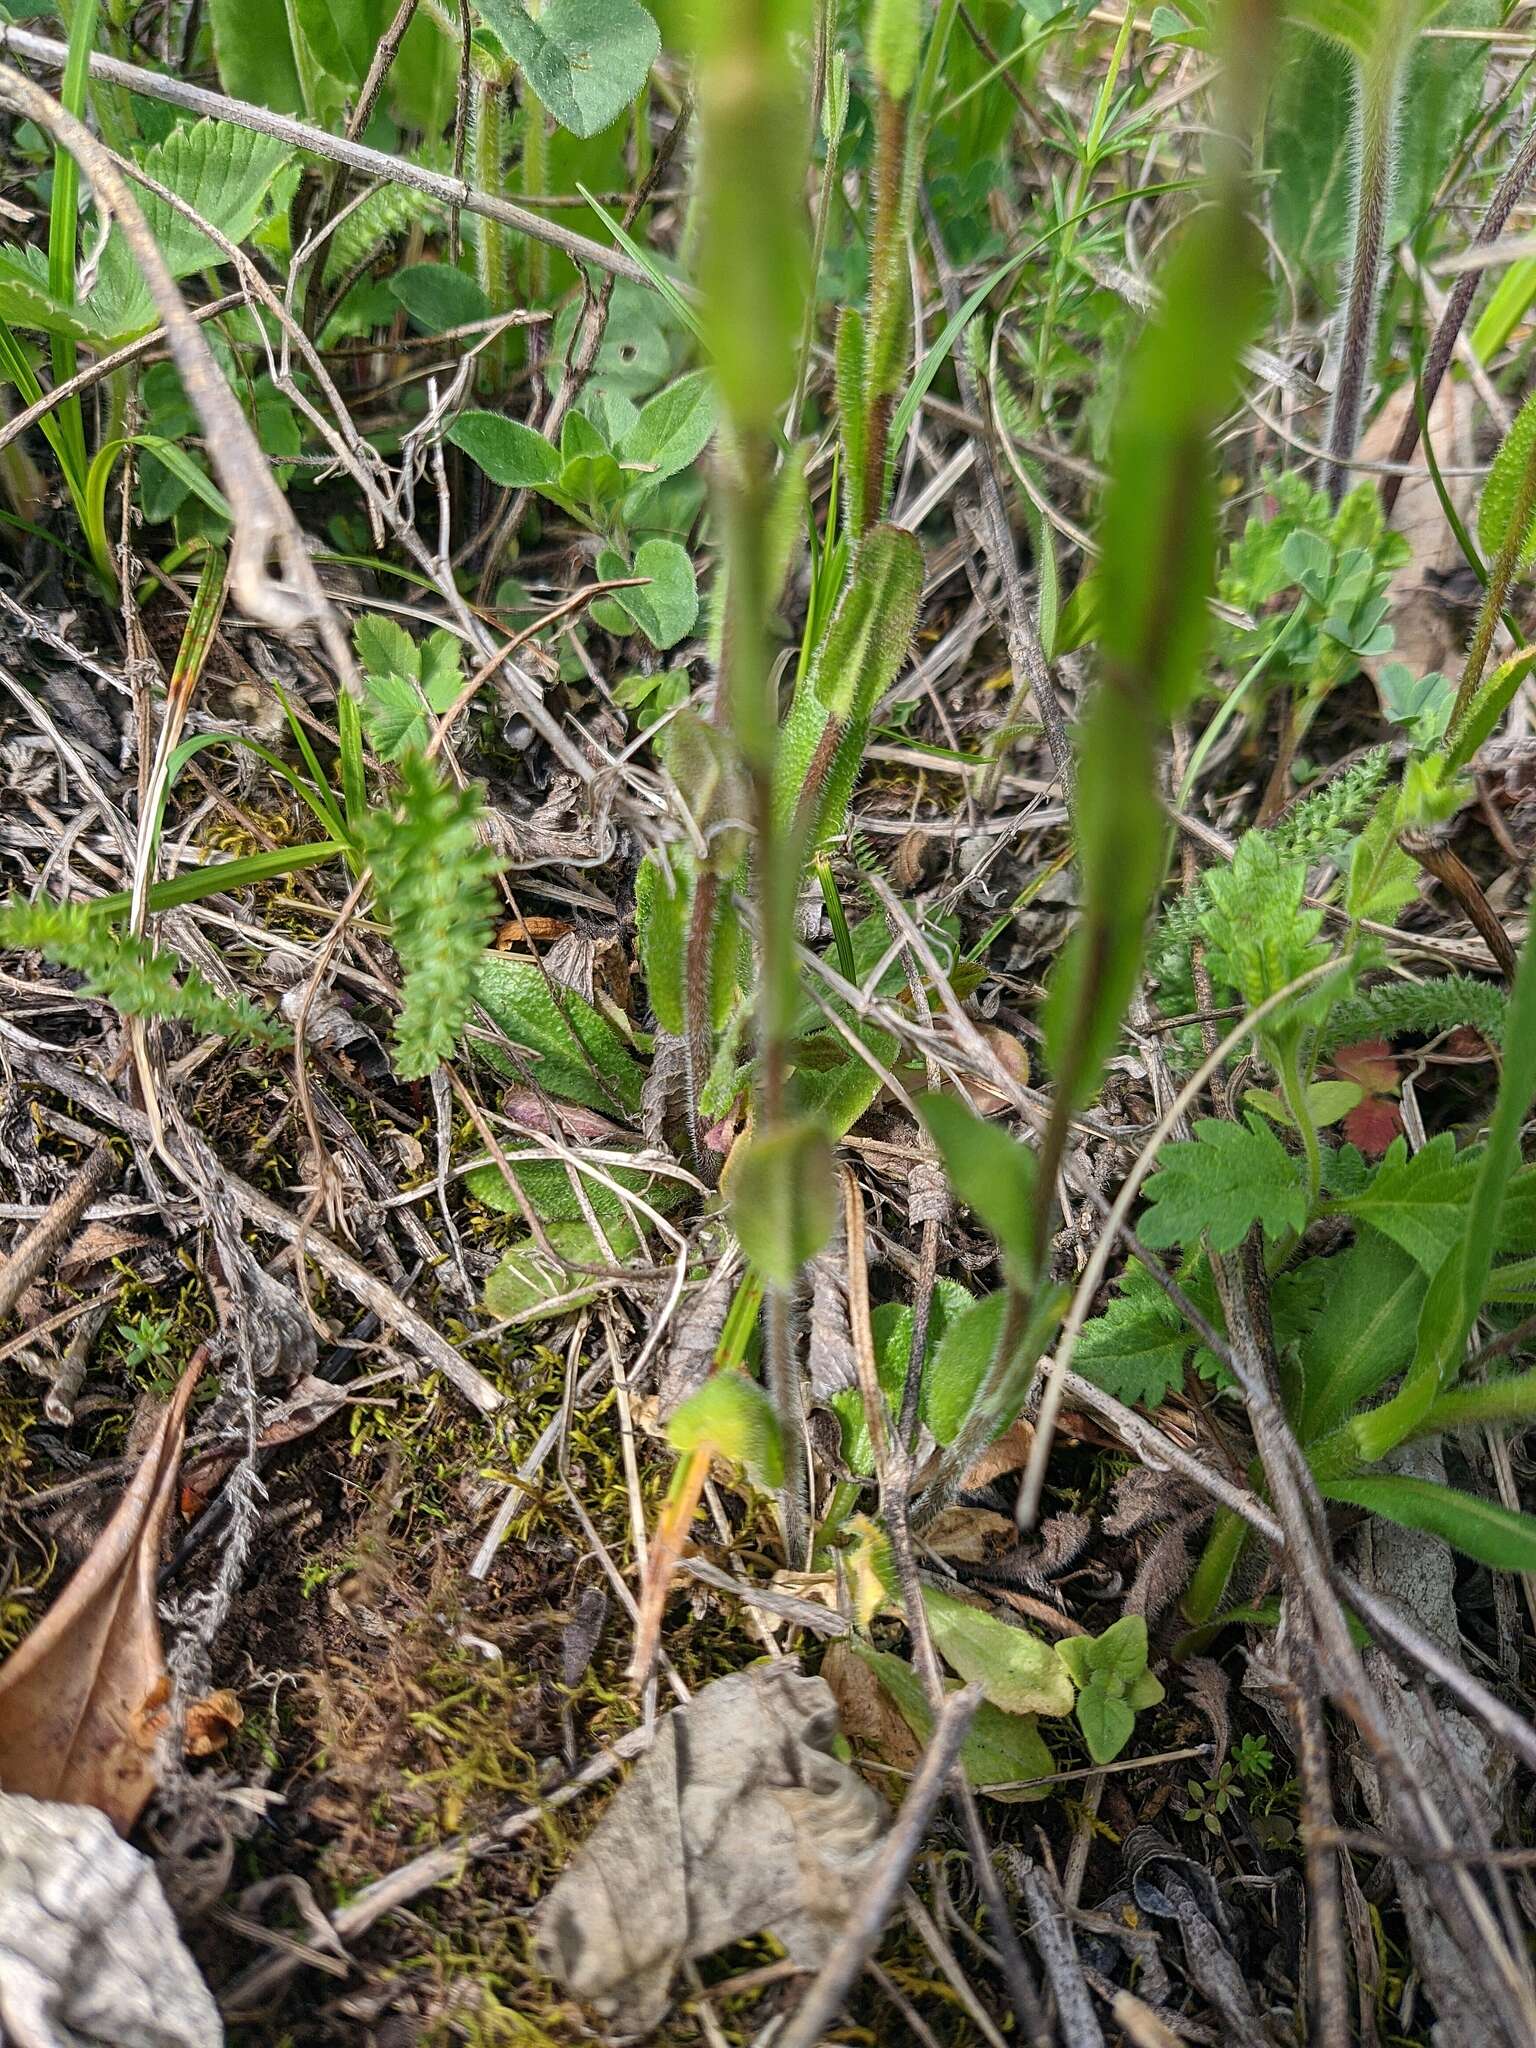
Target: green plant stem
column 888, row 292
column 1212, row 1575
column 1501, row 576
column 493, row 252
column 63, row 217
column 1296, row 1102
column 1378, row 82
column 535, row 172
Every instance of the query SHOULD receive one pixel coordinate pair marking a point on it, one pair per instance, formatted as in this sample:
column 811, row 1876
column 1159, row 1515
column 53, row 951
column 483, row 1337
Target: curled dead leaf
column 80, row 1699
column 211, row 1722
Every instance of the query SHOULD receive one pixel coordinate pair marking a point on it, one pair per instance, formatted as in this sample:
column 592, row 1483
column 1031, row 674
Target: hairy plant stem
column 1500, row 576
column 493, row 245
column 1378, row 85
column 1457, row 306
column 888, row 292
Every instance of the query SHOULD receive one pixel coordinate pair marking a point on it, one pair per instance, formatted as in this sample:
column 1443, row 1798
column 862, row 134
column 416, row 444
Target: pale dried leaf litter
column 89, row 1952
column 737, row 1820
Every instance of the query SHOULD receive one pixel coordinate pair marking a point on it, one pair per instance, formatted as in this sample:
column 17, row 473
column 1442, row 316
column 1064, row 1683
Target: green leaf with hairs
column 1019, row 1672
column 1494, row 1535
column 892, row 44
column 993, row 1173
column 731, row 1417
column 585, row 59
column 572, row 1050
column 783, row 1198
column 512, row 455
column 1502, row 490
column 1158, row 535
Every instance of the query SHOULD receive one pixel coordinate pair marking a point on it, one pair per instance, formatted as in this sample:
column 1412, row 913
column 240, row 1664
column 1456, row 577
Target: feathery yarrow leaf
column 431, row 879
column 128, row 973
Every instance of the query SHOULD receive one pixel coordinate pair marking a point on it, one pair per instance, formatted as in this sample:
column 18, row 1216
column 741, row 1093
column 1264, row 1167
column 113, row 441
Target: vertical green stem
column 1376, row 88
column 535, row 170
column 1501, row 575
column 493, row 241
column 753, row 265
column 63, row 217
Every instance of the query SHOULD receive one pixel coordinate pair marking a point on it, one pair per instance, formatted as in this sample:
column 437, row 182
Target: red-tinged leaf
column 1373, row 1125
column 81, row 1699
column 1371, row 1064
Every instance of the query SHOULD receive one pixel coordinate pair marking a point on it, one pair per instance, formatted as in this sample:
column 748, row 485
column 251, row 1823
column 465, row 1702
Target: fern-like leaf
column 127, row 973
column 431, row 879
column 1420, row 1009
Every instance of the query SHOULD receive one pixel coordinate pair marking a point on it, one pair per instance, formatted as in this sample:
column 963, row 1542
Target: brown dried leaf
column 970, row 1535
column 870, row 1717
column 1009, row 1453
column 211, row 1722
column 79, row 1700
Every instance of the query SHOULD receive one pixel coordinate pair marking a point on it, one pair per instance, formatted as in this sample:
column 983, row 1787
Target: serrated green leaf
column 1138, row 1348
column 1494, row 1535
column 577, row 1054
column 731, row 1417
column 1017, row 1671
column 1223, row 1181
column 783, row 1198
column 224, row 174
column 512, row 455
column 585, row 59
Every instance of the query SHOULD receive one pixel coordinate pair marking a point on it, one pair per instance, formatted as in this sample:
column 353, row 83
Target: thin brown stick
column 1443, row 347
column 29, row 1258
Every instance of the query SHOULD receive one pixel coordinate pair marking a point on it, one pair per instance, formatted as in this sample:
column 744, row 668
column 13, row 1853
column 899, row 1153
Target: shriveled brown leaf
column 1013, row 1057
column 1008, row 1453
column 79, row 1699
column 970, row 1535
column 870, row 1717
column 211, row 1722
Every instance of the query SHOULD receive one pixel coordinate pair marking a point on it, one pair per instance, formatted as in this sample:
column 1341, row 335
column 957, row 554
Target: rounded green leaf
column 784, row 1199
column 1107, row 1723
column 731, row 1417
column 1019, row 1672
column 511, row 454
